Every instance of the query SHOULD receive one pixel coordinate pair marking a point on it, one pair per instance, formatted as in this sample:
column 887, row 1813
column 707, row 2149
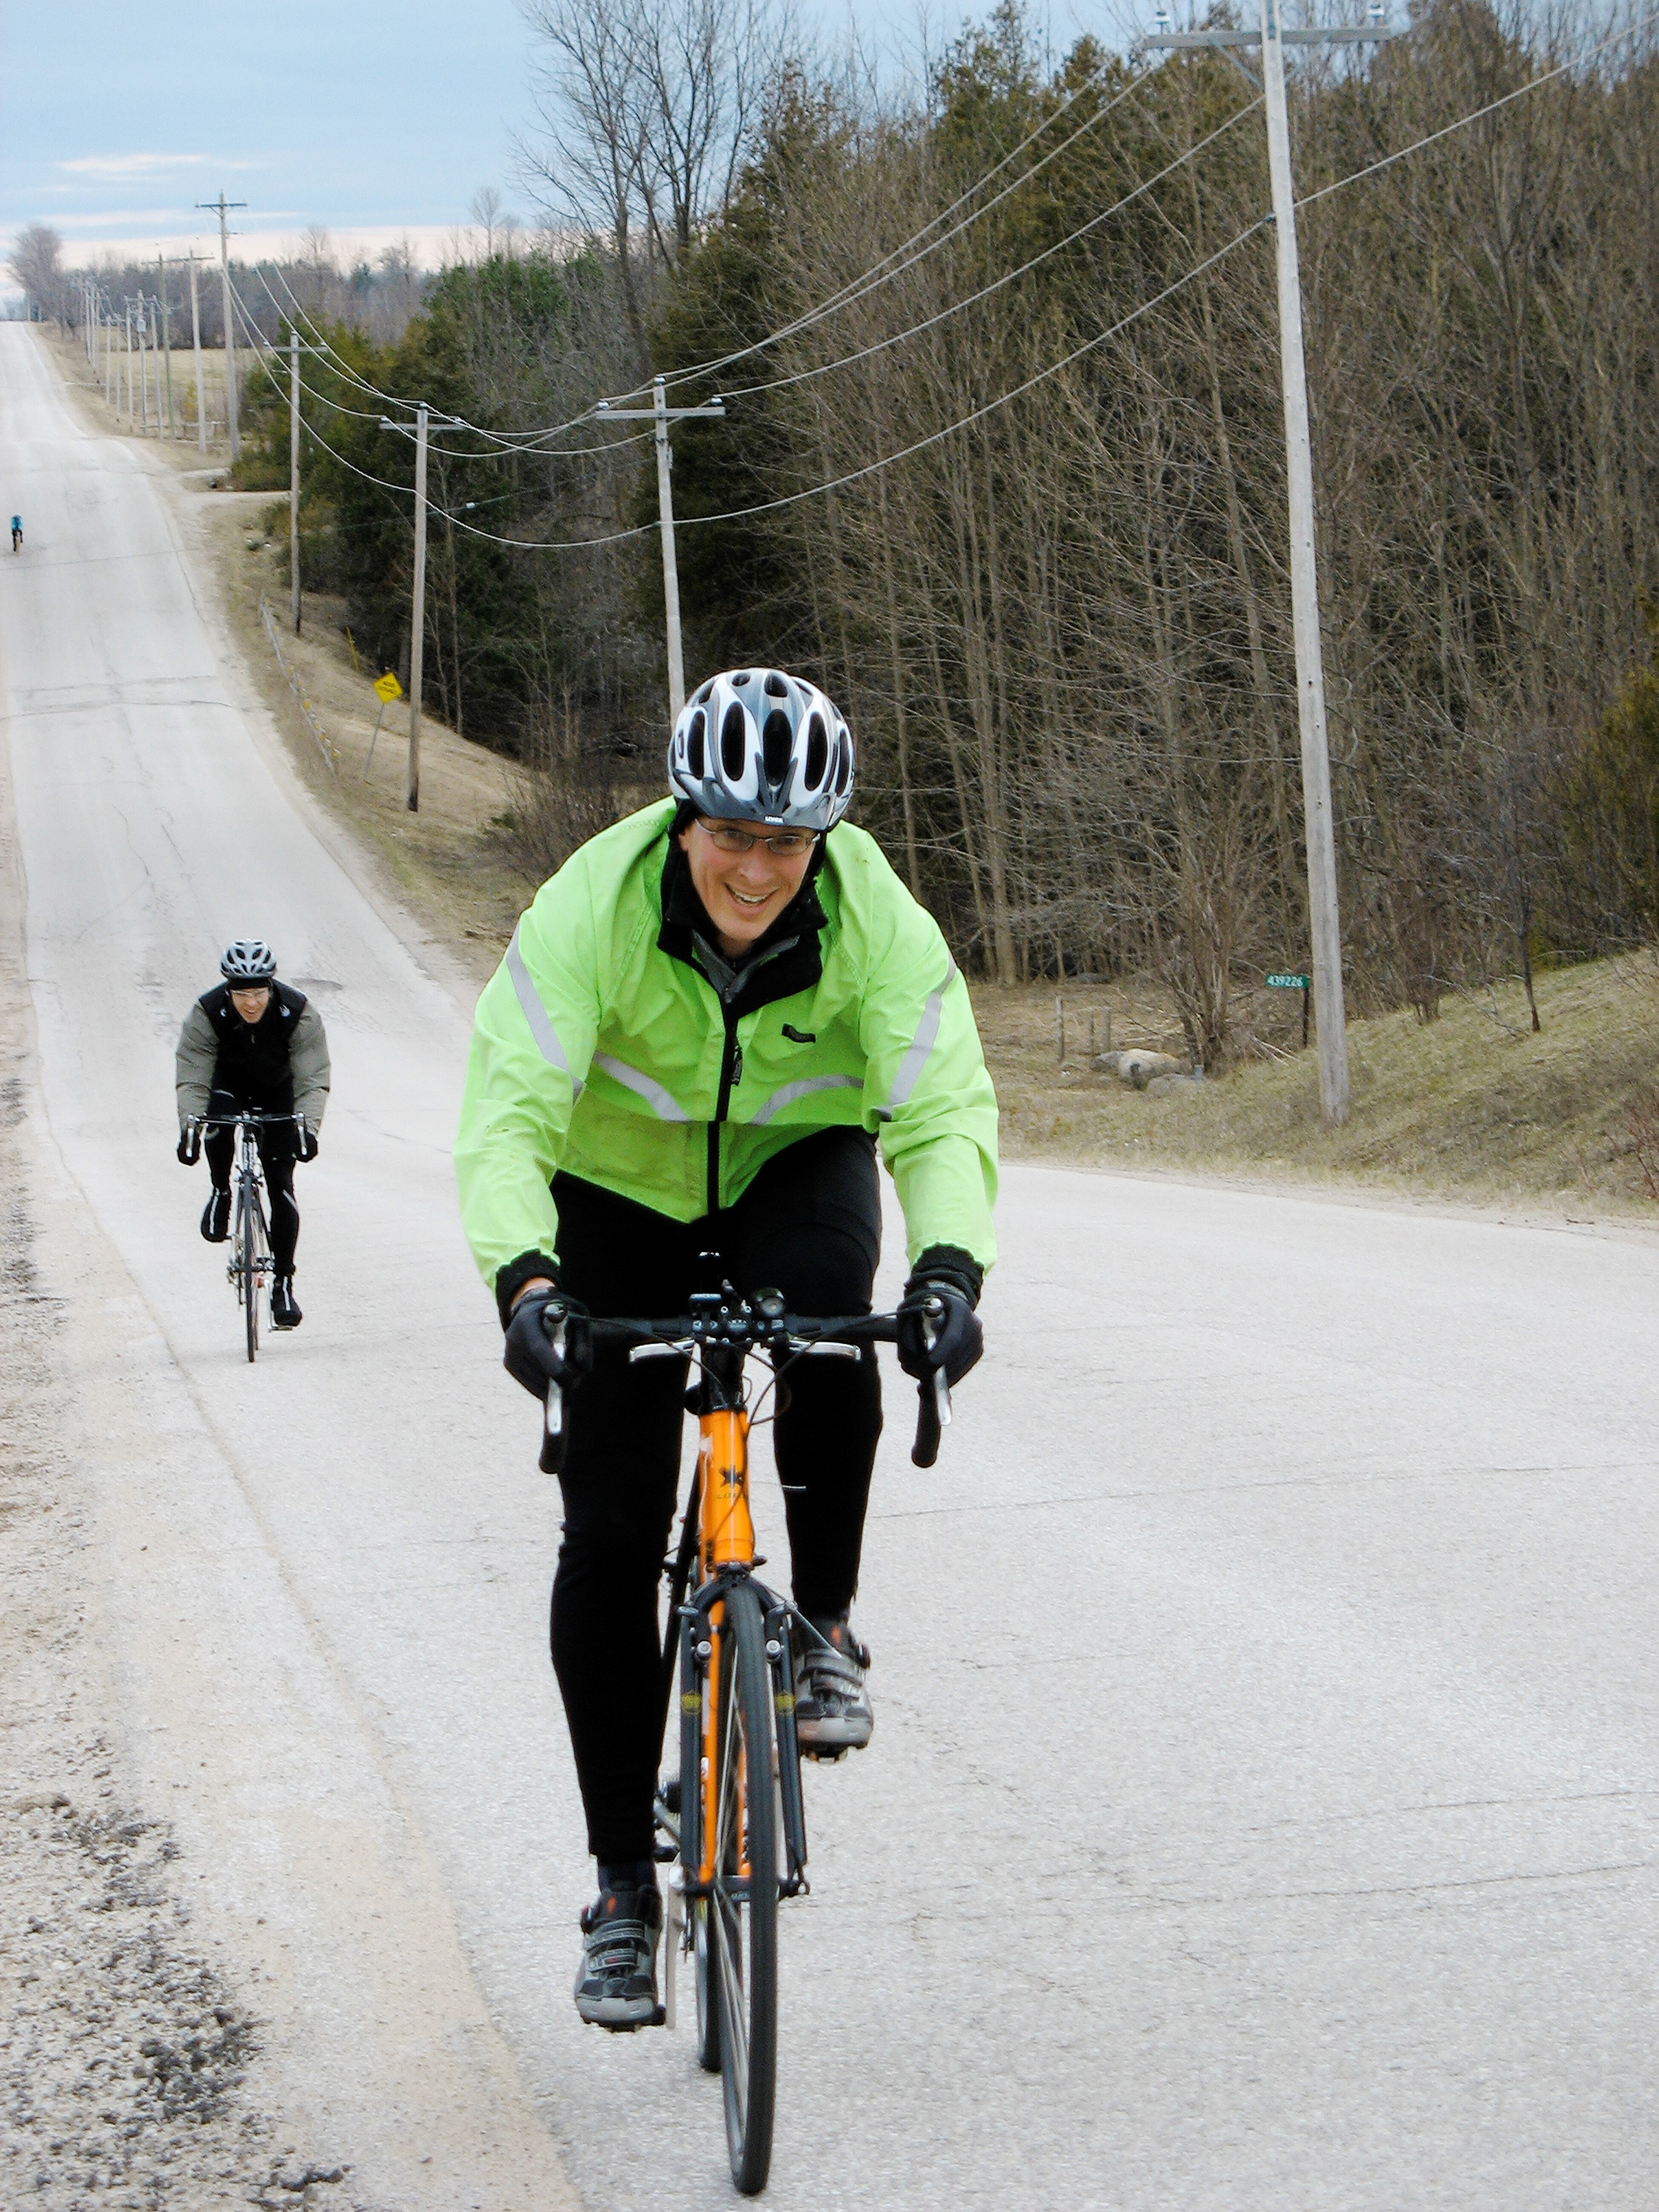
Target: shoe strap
column 824, row 1664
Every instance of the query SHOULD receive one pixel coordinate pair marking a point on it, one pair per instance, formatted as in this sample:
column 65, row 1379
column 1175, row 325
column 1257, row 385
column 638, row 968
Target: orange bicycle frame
column 725, row 1538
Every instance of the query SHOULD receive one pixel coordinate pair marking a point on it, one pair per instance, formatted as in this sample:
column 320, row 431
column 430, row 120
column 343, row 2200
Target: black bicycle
column 250, row 1265
column 736, row 1834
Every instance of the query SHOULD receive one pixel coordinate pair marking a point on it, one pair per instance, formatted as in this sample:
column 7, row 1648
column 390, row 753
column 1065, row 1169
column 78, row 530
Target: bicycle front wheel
column 742, row 1914
column 247, row 1266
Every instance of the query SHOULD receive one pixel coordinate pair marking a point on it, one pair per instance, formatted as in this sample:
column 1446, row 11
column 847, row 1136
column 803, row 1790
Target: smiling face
column 743, row 893
column 251, row 1000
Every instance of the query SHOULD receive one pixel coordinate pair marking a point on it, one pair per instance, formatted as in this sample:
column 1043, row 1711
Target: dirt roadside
column 130, row 2047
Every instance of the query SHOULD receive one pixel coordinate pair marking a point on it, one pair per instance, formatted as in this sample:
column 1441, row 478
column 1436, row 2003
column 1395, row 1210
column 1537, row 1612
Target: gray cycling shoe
column 616, row 1980
column 832, row 1706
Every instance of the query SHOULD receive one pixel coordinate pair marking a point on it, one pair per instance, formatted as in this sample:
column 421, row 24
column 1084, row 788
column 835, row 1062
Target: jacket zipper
column 730, row 1075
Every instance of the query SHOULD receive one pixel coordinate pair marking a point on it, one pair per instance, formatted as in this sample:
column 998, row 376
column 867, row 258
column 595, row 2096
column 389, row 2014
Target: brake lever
column 552, row 1454
column 932, row 1405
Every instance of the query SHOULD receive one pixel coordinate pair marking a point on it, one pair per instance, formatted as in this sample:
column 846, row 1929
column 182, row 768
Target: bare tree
column 648, row 112
column 36, row 263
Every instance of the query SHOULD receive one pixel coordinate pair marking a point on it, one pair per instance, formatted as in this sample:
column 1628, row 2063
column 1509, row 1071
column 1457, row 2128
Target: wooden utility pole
column 417, row 625
column 127, row 361
column 661, row 414
column 166, row 340
column 1324, row 918
column 294, row 472
column 1323, row 914
column 222, row 207
column 196, row 347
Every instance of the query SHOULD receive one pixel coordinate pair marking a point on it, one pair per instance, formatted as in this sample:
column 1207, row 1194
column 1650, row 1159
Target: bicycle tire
column 248, row 1255
column 743, row 1916
column 708, row 2018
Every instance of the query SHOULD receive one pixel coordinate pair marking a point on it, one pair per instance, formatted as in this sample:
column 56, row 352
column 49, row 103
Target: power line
column 1491, row 108
column 532, row 439
column 920, row 445
column 880, row 345
column 992, row 406
column 880, row 274
column 262, row 344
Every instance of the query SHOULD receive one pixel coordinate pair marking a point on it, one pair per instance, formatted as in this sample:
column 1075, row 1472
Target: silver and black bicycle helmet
column 248, row 960
column 756, row 744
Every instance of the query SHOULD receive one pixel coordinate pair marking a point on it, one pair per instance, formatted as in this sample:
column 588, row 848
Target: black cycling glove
column 952, row 1278
column 308, row 1140
column 531, row 1357
column 190, row 1143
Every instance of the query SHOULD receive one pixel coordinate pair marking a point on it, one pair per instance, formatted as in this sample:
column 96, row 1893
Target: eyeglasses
column 785, row 844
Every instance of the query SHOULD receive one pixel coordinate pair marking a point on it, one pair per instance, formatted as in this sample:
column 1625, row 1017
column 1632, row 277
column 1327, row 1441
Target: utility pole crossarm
column 1348, row 35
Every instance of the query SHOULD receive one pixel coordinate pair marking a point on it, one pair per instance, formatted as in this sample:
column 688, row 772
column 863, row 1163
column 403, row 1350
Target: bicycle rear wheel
column 741, row 1919
column 248, row 1265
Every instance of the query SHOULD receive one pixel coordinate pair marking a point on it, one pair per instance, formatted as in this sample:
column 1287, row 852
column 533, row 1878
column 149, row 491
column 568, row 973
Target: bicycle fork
column 700, row 1639
column 700, row 1658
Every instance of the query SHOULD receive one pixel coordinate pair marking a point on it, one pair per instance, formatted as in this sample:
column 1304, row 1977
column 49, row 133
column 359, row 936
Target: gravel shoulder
column 130, row 2045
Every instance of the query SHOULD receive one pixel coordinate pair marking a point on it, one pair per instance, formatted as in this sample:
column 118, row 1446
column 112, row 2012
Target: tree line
column 379, row 299
column 1060, row 623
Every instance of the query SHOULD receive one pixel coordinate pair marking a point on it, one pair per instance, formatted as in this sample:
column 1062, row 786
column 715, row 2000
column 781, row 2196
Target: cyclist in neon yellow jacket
column 704, row 1026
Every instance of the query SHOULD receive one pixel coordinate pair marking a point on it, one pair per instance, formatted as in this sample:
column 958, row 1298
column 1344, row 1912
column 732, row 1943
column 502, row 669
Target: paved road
column 1262, row 1807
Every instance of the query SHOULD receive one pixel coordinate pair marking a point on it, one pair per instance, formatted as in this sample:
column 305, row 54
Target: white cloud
column 145, row 164
column 107, row 215
column 125, row 236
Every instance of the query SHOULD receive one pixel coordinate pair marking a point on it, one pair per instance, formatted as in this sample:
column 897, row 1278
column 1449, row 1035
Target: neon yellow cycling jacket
column 597, row 1051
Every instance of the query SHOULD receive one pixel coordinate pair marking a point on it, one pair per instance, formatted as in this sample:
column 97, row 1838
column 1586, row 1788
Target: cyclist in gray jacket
column 258, row 1045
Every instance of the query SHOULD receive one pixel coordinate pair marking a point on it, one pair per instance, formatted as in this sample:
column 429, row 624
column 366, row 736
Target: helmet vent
column 777, row 686
column 776, row 744
column 843, row 763
column 818, row 752
column 696, row 755
column 733, row 748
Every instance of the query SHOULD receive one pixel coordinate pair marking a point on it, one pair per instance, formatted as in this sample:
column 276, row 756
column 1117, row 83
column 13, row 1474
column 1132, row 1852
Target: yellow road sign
column 389, row 688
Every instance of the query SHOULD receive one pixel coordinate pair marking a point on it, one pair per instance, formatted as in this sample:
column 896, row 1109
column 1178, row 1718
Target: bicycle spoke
column 729, row 1939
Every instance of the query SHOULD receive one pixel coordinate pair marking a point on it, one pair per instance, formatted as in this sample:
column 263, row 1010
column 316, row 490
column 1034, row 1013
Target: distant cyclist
column 699, row 1031
column 17, row 533
column 254, row 1045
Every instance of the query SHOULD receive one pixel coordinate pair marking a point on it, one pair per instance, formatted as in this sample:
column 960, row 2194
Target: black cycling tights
column 809, row 1225
column 279, row 1148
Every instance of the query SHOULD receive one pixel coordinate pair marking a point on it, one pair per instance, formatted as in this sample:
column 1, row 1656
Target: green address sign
column 1290, row 982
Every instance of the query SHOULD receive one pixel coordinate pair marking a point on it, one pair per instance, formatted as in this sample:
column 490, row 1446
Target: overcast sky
column 369, row 118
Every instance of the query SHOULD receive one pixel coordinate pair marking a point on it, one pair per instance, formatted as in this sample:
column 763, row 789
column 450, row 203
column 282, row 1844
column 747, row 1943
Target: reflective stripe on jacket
column 597, row 1052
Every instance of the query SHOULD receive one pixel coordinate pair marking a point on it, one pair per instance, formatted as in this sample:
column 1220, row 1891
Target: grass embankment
column 1471, row 1106
column 183, row 450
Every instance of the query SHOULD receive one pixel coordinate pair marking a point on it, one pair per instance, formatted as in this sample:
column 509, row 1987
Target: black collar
column 787, row 959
